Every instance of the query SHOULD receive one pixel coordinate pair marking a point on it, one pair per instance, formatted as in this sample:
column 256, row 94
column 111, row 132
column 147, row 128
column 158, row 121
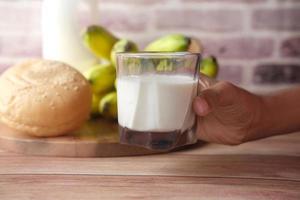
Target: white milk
column 158, row 103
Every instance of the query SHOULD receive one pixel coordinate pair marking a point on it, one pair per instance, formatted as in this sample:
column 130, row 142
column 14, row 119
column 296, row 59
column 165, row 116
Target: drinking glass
column 155, row 97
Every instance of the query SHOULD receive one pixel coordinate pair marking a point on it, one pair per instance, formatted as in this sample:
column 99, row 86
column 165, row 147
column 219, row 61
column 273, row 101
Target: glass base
column 158, row 141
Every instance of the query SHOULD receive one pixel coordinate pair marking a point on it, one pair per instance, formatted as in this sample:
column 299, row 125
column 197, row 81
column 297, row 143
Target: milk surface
column 157, row 103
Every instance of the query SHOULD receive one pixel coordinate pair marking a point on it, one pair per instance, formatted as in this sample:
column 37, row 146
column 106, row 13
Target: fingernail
column 201, row 106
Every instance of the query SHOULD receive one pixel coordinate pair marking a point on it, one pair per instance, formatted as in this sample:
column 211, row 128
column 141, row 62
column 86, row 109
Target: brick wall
column 257, row 41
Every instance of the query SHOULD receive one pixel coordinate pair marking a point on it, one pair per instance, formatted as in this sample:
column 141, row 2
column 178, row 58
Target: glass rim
column 157, row 54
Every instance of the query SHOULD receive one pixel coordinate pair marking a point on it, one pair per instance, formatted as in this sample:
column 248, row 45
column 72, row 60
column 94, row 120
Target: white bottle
column 61, row 34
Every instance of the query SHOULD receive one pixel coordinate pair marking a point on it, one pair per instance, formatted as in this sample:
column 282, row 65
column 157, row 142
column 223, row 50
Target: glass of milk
column 155, row 97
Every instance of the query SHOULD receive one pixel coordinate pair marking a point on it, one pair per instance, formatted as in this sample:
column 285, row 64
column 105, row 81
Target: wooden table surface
column 265, row 169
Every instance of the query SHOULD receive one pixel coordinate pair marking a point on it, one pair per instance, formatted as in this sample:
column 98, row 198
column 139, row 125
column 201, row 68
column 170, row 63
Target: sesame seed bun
column 44, row 98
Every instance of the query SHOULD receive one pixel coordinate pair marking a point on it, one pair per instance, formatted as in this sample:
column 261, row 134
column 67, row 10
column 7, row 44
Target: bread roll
column 44, row 98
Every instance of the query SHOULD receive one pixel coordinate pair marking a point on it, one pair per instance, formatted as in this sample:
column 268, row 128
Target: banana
column 101, row 77
column 99, row 41
column 122, row 45
column 108, row 106
column 95, row 104
column 169, row 43
column 175, row 43
column 209, row 66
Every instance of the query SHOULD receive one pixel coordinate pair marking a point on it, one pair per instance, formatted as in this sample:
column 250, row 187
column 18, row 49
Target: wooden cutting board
column 98, row 138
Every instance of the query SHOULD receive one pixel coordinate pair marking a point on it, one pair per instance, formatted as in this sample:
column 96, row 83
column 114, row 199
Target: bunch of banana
column 105, row 45
column 178, row 42
column 102, row 77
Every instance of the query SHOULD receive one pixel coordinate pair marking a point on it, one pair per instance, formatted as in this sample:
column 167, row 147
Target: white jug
column 61, row 34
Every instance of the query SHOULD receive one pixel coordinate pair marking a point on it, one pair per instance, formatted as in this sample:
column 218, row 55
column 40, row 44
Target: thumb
column 205, row 102
column 220, row 94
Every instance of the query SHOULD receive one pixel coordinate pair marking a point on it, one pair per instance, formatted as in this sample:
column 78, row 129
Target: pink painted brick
column 124, row 20
column 239, row 48
column 291, row 47
column 284, row 1
column 231, row 73
column 274, row 73
column 15, row 17
column 134, row 2
column 20, row 46
column 224, row 1
column 278, row 19
column 202, row 20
